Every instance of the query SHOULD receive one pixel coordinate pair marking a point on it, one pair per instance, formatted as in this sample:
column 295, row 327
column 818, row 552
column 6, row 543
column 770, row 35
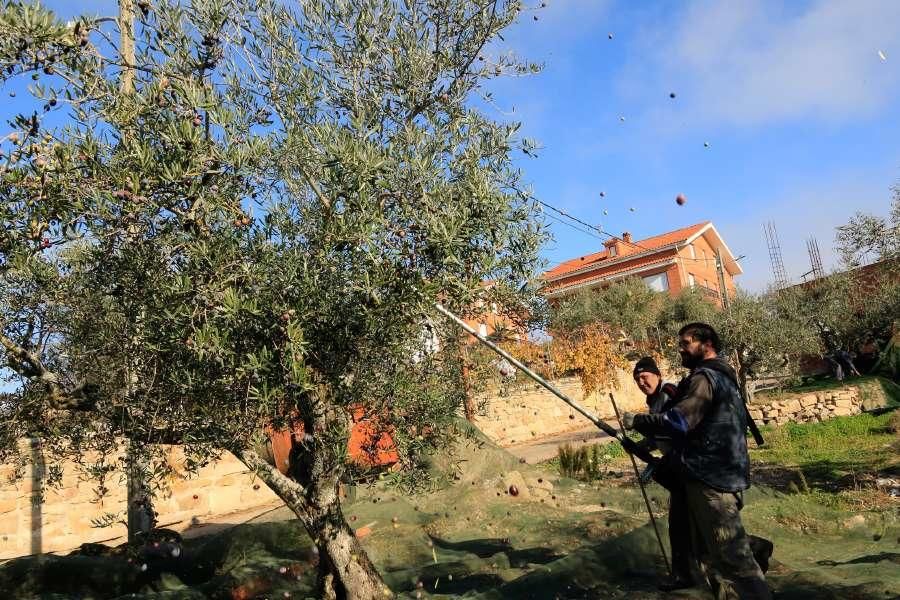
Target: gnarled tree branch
column 289, row 490
column 27, row 364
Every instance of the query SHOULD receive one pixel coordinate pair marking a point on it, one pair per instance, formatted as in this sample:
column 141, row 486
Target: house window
column 693, row 252
column 703, row 252
column 658, row 282
column 482, row 329
column 612, row 250
column 691, row 281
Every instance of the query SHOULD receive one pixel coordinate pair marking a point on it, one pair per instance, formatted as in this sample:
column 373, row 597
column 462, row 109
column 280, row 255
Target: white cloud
column 748, row 63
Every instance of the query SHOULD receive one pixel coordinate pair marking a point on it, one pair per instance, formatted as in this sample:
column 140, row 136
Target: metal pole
column 637, row 475
column 720, row 270
column 606, row 428
column 626, row 442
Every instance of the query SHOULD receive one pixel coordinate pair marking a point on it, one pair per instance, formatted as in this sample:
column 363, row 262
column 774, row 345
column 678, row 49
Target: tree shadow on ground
column 482, row 548
column 628, row 566
column 477, row 568
column 630, row 560
column 861, row 560
column 487, row 547
column 827, row 475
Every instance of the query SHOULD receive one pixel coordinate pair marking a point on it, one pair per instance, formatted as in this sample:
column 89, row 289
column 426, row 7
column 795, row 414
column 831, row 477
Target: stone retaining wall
column 807, row 407
column 530, row 412
column 64, row 520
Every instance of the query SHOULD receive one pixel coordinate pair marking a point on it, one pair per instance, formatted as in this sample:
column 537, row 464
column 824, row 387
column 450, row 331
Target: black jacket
column 715, row 451
column 707, row 424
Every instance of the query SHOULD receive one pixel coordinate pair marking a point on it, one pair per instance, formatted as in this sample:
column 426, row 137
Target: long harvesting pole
column 627, row 443
column 637, row 476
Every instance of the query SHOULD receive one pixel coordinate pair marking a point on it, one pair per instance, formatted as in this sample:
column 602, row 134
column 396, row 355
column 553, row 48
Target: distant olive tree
column 867, row 238
column 627, row 306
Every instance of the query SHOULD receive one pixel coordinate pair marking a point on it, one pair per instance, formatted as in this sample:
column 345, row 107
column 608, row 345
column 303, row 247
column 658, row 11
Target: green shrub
column 893, row 423
column 586, row 463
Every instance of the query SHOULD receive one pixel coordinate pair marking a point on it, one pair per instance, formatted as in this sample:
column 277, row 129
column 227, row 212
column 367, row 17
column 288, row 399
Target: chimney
column 620, row 246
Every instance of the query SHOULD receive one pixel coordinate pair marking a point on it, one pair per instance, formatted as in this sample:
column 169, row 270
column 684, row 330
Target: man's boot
column 675, row 583
column 762, row 551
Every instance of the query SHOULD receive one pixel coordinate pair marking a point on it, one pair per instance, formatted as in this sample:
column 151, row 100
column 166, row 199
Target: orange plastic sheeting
column 369, row 445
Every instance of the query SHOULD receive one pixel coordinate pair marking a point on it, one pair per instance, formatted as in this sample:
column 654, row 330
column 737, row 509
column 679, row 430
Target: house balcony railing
column 708, row 292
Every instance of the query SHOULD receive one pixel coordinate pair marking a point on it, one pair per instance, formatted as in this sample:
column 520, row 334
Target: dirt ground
column 545, row 448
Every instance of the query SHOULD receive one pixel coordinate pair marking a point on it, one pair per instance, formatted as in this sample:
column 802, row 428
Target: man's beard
column 689, row 360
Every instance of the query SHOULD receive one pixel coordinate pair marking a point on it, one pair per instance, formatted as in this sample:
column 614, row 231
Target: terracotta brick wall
column 63, row 521
column 676, row 282
column 704, row 271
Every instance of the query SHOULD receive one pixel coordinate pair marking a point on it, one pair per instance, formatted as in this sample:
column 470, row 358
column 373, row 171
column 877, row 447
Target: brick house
column 668, row 262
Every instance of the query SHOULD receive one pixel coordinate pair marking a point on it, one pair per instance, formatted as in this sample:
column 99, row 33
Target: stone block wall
column 64, row 520
column 808, row 407
column 531, row 412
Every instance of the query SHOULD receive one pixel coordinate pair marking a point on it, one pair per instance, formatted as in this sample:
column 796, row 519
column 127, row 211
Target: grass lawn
column 834, row 448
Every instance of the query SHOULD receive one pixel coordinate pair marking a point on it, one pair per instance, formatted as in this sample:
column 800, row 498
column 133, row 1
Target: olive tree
column 245, row 225
column 764, row 334
column 866, row 237
column 628, row 306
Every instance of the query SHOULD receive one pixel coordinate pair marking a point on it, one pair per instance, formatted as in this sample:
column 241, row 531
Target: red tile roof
column 651, row 243
column 643, row 263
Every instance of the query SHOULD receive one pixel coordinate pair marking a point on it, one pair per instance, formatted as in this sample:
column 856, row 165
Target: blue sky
column 801, row 114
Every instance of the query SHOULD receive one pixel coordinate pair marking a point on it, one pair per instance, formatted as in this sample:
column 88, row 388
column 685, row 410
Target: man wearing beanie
column 709, row 421
column 661, row 396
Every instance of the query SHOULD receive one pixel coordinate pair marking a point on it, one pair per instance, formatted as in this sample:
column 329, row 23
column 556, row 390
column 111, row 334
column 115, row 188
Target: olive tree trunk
column 310, row 490
column 345, row 571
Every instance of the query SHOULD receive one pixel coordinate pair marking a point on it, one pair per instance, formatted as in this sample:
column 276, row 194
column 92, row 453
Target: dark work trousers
column 722, row 544
column 684, row 560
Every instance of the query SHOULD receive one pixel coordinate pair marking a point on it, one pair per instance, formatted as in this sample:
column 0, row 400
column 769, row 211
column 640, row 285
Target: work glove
column 628, row 420
column 647, row 474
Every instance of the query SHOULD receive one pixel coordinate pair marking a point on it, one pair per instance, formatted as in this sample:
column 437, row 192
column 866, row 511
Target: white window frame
column 691, row 281
column 650, row 282
column 693, row 252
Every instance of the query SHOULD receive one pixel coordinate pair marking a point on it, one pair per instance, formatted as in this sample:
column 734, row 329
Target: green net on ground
column 556, row 537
